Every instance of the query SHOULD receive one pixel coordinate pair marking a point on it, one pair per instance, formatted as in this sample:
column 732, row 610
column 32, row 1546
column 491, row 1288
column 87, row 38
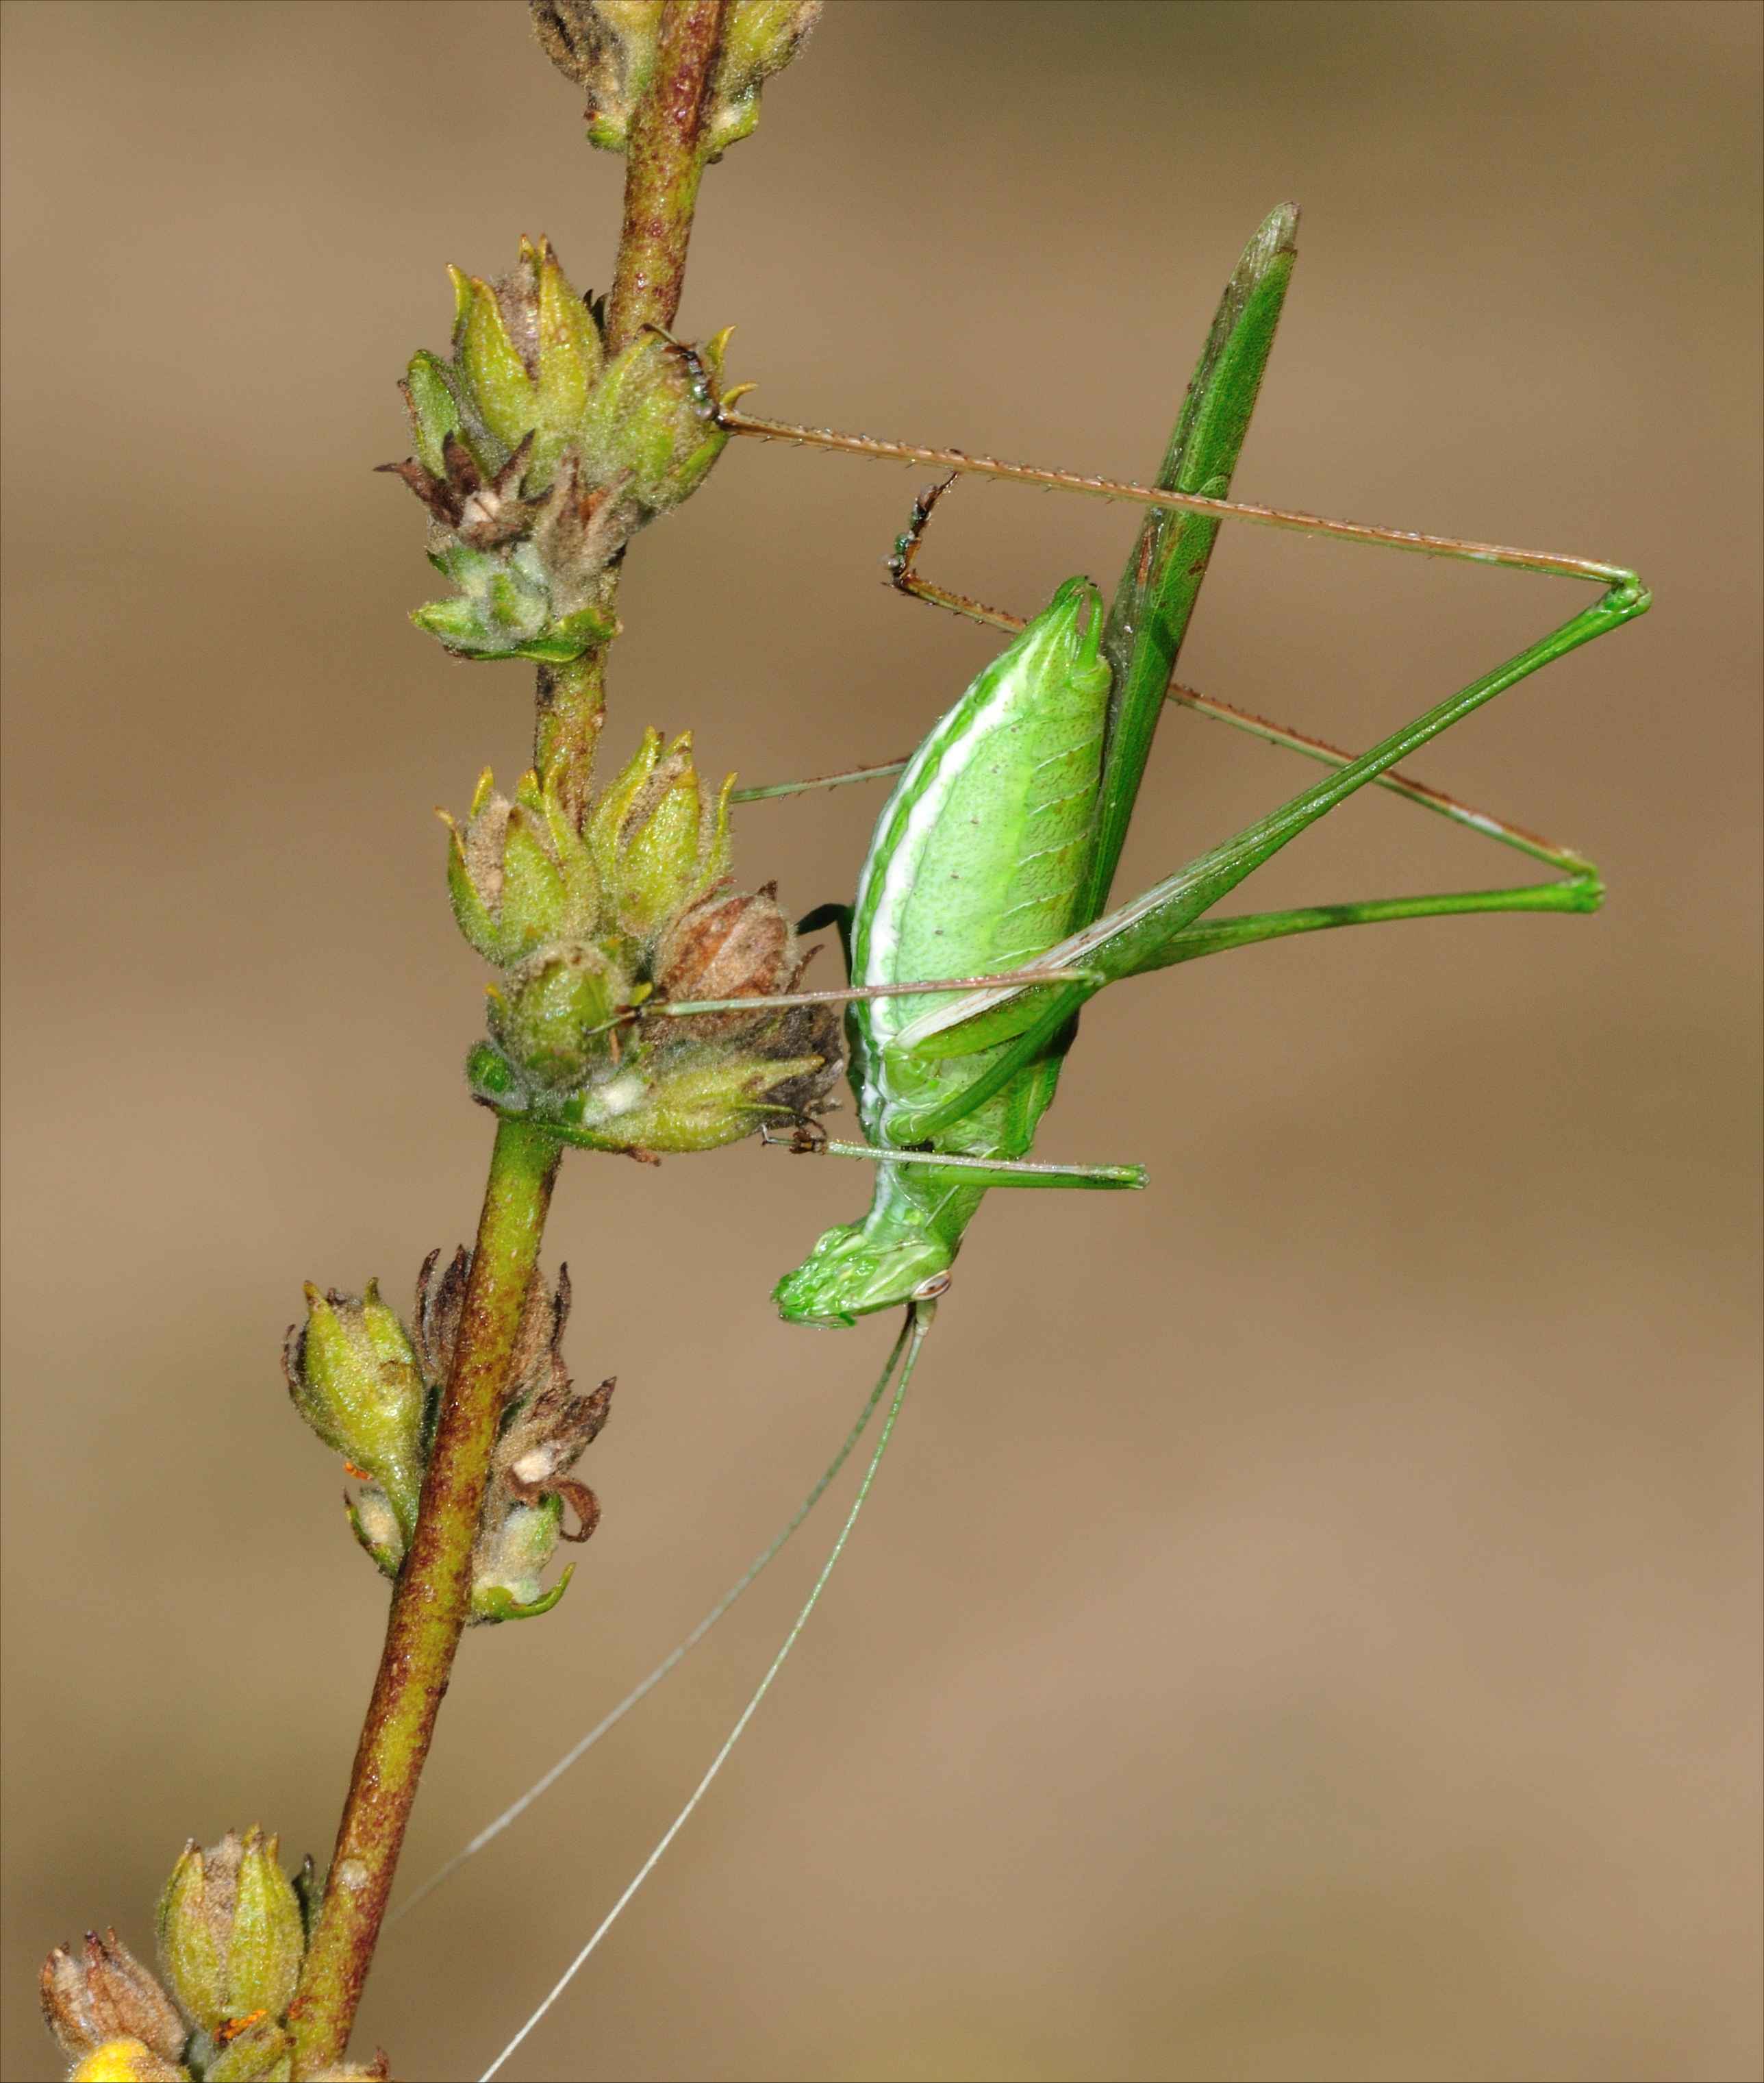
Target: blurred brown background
column 1308, row 1626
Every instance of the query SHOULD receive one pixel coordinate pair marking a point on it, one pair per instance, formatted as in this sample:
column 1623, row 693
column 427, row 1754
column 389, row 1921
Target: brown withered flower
column 107, row 1994
column 546, row 1426
column 728, row 945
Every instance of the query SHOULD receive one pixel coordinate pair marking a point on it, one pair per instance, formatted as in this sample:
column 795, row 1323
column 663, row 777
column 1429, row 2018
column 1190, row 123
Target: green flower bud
column 126, row 2061
column 231, row 1939
column 701, row 1096
column 375, row 1525
column 652, row 421
column 519, row 874
column 657, row 843
column 528, row 354
column 552, row 1020
column 505, row 1572
column 537, row 461
column 652, row 427
column 609, row 47
column 507, row 607
column 108, row 1995
column 677, row 1096
column 262, row 2053
column 352, row 1375
column 760, row 37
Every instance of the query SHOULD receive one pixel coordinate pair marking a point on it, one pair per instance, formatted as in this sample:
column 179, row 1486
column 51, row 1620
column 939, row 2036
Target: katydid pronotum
column 981, row 926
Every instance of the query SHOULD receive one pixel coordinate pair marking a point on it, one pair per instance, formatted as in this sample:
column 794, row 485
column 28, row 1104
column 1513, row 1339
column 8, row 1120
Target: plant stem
column 661, row 174
column 664, row 161
column 430, row 1601
column 432, row 1598
column 569, row 708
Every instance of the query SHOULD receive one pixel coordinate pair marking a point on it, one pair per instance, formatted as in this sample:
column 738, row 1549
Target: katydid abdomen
column 978, row 865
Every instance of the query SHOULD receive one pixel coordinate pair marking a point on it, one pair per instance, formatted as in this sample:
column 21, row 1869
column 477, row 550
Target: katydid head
column 851, row 1274
column 1066, row 636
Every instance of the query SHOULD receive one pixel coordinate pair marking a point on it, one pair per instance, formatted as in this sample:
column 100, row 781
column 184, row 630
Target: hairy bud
column 537, row 459
column 609, row 47
column 658, row 843
column 352, row 1376
column 107, row 1994
column 231, row 1936
column 519, row 874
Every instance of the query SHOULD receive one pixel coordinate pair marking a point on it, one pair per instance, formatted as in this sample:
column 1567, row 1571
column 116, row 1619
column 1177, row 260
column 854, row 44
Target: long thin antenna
column 579, row 1749
column 920, row 1317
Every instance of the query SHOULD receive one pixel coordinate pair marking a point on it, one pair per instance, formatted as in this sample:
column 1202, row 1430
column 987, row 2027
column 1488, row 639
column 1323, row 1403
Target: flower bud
column 657, row 843
column 107, row 1994
column 537, row 460
column 352, row 1376
column 231, row 1939
column 127, row 2061
column 679, row 1095
column 652, row 426
column 508, row 607
column 375, row 1525
column 760, row 37
column 553, row 1019
column 609, row 47
column 519, row 874
column 506, row 1566
column 528, row 354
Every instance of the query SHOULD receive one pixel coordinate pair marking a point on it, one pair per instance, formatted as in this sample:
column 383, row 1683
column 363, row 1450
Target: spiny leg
column 1138, row 936
column 903, row 567
column 962, row 464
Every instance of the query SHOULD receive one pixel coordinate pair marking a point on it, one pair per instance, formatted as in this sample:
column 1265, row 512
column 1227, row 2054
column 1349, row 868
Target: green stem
column 661, row 173
column 430, row 1602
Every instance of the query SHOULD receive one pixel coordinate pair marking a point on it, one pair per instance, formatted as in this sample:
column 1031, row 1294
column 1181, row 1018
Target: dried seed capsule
column 106, row 1995
column 727, row 946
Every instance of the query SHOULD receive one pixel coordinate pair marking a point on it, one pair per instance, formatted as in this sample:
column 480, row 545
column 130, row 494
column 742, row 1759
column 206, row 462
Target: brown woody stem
column 570, row 707
column 661, row 172
column 430, row 1602
column 431, row 1599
